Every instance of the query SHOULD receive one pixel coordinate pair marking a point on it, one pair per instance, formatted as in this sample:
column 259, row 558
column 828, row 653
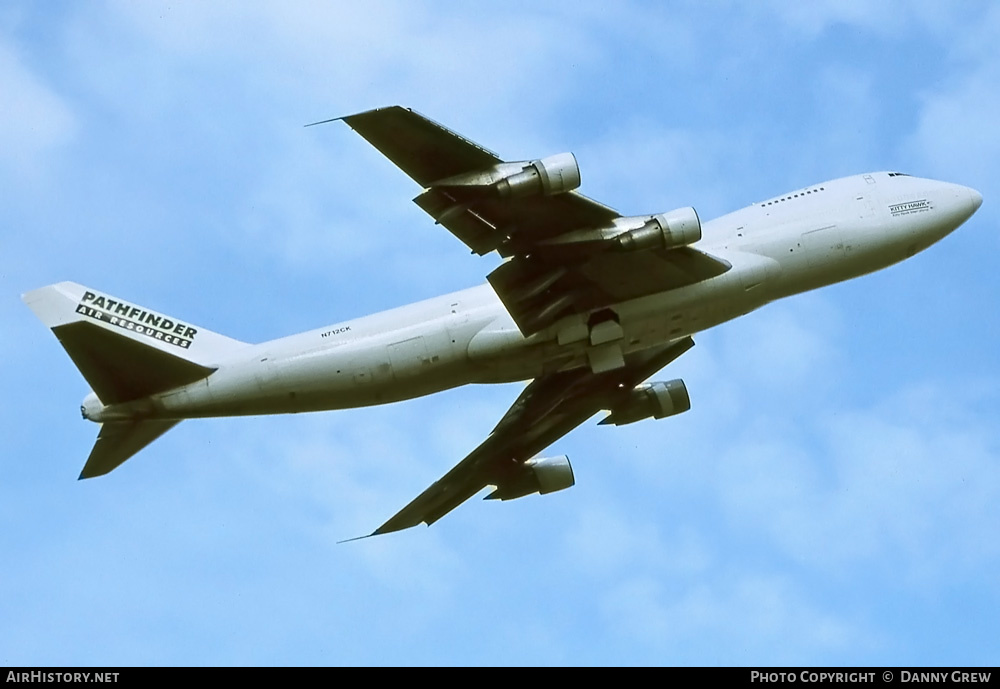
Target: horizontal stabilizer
column 120, row 440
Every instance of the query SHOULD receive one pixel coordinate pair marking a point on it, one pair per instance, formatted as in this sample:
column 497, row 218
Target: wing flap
column 472, row 229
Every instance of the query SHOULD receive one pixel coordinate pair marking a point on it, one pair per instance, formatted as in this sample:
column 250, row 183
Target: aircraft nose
column 953, row 205
column 976, row 200
column 959, row 203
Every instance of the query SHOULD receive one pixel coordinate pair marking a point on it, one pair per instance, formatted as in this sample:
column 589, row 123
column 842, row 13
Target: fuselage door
column 822, row 246
column 408, row 357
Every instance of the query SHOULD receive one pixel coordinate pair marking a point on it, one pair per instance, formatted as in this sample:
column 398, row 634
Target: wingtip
column 347, row 118
column 357, row 538
column 332, row 119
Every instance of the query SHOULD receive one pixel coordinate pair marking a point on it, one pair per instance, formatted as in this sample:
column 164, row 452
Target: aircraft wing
column 549, row 408
column 562, row 257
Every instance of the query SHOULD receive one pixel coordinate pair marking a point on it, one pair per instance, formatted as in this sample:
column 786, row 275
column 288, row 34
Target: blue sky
column 833, row 497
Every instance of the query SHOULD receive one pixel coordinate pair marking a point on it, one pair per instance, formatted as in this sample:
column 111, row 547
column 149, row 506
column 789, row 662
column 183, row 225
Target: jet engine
column 537, row 475
column 651, row 400
column 677, row 228
column 553, row 175
column 91, row 407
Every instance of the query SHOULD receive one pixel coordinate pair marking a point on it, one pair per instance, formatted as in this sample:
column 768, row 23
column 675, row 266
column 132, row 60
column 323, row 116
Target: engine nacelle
column 553, row 175
column 91, row 407
column 677, row 228
column 537, row 475
column 651, row 400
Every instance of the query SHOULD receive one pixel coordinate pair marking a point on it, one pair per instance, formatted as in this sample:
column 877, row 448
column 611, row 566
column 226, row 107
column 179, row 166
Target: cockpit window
column 898, row 174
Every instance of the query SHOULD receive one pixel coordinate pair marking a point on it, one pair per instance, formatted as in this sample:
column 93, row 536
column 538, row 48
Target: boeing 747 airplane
column 587, row 305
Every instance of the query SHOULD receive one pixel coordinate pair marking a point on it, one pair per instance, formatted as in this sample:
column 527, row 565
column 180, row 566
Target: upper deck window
column 814, row 190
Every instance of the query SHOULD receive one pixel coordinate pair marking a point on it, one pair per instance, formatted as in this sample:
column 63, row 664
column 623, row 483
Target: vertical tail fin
column 126, row 352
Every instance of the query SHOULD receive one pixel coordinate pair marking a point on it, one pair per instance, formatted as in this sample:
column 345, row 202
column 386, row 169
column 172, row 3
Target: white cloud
column 611, row 542
column 365, row 56
column 785, row 348
column 957, row 136
column 643, row 166
column 760, row 619
column 34, row 120
column 327, row 200
column 892, row 18
column 911, row 481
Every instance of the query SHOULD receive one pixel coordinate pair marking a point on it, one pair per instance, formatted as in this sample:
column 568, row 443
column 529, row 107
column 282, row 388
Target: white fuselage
column 790, row 244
